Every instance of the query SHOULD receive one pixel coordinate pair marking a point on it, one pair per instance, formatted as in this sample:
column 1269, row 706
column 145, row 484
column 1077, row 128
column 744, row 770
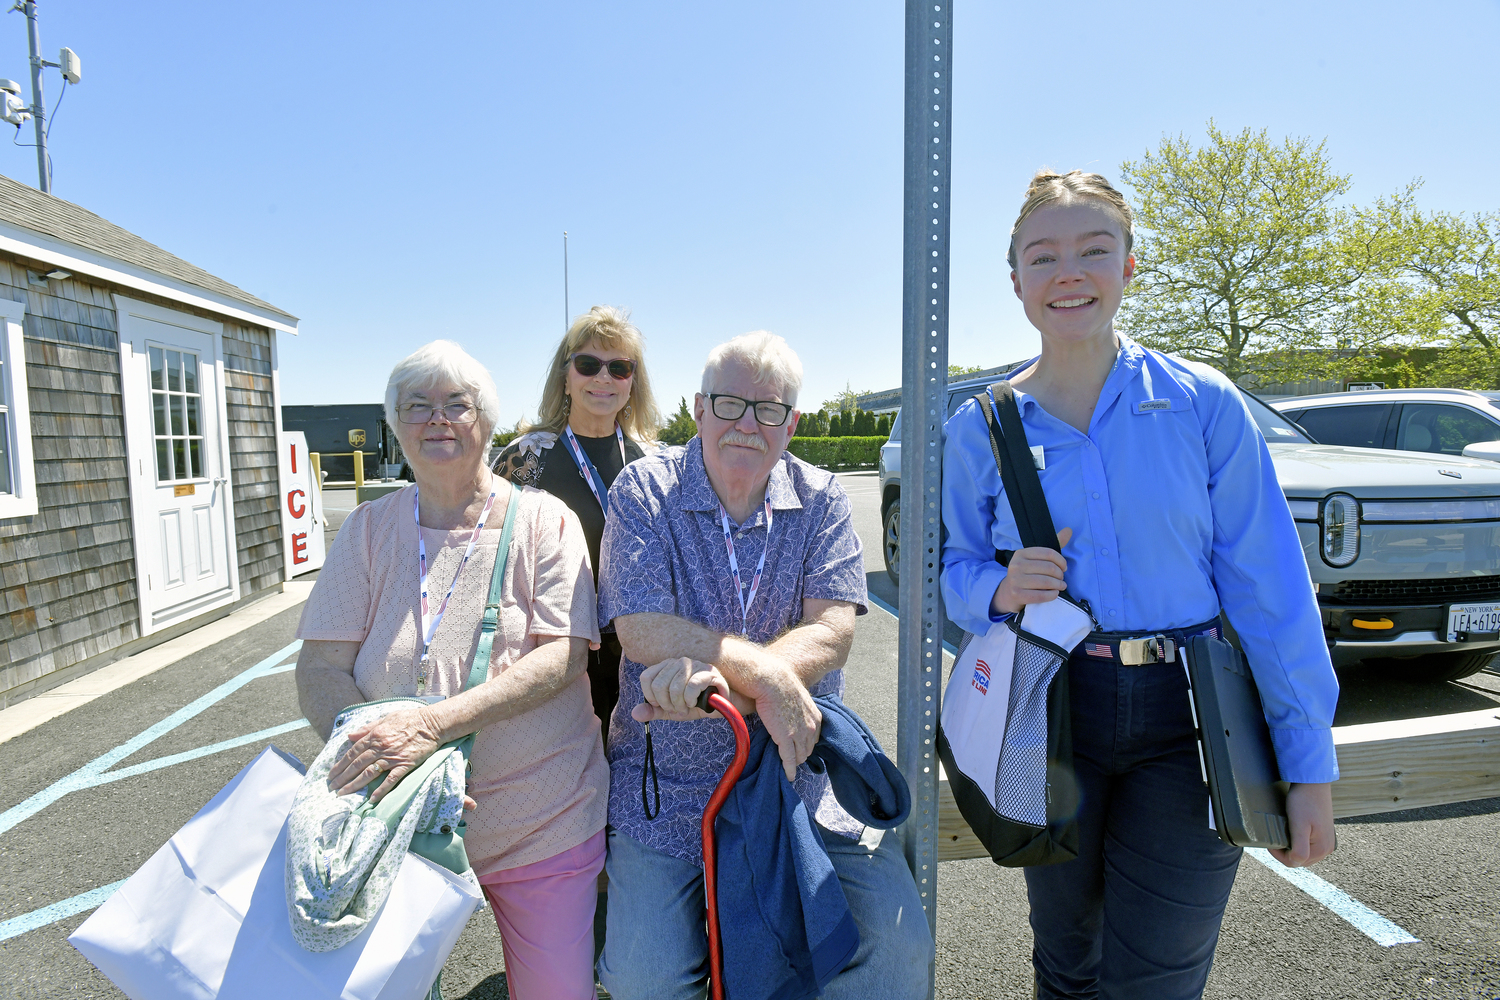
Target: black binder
column 1234, row 746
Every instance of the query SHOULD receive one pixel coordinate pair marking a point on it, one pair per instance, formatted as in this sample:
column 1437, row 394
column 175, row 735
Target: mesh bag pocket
column 1021, row 778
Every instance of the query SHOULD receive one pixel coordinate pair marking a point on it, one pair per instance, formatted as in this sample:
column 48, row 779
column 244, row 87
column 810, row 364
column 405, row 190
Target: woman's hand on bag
column 393, row 746
column 671, row 689
column 1309, row 820
column 1035, row 576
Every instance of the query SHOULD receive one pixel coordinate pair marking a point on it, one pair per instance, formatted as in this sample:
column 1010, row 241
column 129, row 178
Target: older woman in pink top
column 539, row 782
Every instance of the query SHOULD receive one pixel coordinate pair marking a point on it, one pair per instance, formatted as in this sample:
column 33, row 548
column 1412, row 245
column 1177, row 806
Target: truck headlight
column 1340, row 529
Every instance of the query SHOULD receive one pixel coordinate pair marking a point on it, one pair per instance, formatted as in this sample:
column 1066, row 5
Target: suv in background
column 1435, row 421
column 1403, row 548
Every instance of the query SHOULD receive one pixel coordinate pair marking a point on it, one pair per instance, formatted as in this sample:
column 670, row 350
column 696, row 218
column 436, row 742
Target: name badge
column 1039, row 457
column 1153, row 404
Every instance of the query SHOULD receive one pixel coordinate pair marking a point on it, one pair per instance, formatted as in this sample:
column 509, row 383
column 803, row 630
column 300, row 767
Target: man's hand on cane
column 671, row 689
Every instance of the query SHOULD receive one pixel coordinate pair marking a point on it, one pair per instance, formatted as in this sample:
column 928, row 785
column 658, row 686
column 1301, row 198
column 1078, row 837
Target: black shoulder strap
column 1018, row 469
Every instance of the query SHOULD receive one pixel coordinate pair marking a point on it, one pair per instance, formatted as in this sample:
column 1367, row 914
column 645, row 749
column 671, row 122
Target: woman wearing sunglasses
column 596, row 413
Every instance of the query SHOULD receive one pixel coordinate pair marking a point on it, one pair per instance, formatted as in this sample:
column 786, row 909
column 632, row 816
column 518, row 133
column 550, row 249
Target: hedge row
column 838, row 452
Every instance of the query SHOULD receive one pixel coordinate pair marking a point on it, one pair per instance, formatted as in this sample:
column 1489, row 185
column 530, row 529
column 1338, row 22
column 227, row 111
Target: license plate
column 1472, row 618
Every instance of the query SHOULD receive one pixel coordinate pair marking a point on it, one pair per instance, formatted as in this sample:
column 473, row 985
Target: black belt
column 1136, row 650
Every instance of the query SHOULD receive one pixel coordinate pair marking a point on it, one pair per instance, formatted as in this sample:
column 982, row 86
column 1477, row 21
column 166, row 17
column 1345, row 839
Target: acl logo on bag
column 981, row 679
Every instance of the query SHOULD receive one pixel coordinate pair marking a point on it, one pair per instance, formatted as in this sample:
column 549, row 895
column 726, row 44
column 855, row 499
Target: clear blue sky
column 393, row 173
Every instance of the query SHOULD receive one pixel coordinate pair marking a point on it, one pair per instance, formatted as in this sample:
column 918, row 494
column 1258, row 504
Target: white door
column 172, row 387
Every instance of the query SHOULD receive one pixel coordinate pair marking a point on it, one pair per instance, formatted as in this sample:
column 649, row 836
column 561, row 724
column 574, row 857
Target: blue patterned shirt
column 664, row 552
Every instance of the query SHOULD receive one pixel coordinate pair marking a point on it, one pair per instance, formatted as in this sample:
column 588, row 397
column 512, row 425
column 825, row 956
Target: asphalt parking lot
column 93, row 793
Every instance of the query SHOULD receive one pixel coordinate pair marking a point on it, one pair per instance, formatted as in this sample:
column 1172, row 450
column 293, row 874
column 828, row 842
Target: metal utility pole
column 567, row 313
column 38, row 106
column 924, row 385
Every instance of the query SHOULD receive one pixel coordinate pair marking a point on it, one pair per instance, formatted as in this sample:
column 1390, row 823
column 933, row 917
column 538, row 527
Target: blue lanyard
column 586, row 467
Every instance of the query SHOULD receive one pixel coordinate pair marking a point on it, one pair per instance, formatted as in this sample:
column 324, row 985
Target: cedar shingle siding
column 67, row 575
column 252, row 455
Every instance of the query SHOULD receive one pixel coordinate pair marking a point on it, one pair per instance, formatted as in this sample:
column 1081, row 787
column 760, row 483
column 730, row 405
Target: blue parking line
column 187, row 755
column 16, row 926
column 948, row 646
column 1363, row 919
column 38, row 918
column 89, row 774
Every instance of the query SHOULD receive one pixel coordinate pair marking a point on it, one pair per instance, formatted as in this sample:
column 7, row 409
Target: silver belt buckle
column 1151, row 649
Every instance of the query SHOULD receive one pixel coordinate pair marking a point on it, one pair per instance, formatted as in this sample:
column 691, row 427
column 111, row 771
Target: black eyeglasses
column 768, row 412
column 588, row 366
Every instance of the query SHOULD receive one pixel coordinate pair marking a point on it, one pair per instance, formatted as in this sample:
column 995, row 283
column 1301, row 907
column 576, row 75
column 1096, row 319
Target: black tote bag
column 1005, row 736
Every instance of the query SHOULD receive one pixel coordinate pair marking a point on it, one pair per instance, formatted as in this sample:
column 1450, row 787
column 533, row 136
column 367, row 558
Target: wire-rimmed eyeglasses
column 454, row 413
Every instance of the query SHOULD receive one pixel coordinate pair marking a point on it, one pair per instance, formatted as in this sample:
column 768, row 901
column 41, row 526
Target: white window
column 17, row 472
column 176, row 407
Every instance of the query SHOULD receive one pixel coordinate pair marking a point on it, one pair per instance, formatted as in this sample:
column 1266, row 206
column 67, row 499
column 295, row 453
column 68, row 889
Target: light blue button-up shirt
column 1176, row 513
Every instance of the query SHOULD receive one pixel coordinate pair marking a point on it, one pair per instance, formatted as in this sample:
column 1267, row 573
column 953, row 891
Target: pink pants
column 545, row 911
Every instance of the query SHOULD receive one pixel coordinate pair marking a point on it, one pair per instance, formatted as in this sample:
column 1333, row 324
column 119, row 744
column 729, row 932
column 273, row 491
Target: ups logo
column 356, row 438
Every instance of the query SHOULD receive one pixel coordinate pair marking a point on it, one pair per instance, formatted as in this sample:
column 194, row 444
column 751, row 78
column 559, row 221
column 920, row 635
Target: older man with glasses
column 732, row 564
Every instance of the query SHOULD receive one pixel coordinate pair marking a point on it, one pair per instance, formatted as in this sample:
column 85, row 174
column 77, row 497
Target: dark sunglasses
column 768, row 412
column 588, row 366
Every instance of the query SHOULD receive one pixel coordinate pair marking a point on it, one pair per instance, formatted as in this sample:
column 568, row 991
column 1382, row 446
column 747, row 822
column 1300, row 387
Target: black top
column 556, row 472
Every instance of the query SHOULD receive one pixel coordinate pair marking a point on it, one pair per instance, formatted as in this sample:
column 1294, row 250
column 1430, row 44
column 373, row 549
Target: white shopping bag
column 206, row 916
column 982, row 696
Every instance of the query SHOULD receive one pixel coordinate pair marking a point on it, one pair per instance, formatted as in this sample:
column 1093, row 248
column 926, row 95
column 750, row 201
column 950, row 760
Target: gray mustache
column 733, row 436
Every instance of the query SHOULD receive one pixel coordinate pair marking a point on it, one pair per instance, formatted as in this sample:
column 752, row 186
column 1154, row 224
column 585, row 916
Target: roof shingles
column 29, row 208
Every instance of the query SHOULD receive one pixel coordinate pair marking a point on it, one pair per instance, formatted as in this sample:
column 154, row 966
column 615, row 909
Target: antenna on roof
column 15, row 112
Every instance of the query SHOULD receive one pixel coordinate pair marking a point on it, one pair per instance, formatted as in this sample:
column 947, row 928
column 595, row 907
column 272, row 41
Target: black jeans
column 1136, row 915
column 604, row 679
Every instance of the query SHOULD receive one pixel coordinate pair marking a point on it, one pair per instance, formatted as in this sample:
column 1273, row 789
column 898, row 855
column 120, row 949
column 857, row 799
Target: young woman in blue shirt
column 1168, row 510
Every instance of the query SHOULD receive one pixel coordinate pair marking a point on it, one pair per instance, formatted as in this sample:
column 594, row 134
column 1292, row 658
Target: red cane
column 713, row 701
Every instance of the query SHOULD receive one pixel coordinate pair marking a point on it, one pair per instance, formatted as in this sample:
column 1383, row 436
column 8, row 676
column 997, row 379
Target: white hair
column 444, row 361
column 769, row 358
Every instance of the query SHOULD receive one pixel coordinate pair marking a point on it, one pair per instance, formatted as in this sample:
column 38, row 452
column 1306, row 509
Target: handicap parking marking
column 1363, row 919
column 96, row 772
column 187, row 755
column 36, row 919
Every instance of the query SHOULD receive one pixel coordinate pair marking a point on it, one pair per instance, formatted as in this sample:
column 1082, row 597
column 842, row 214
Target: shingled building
column 138, row 443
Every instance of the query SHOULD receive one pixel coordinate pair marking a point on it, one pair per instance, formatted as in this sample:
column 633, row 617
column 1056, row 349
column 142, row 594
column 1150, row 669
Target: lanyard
column 428, row 631
column 734, row 566
column 586, row 467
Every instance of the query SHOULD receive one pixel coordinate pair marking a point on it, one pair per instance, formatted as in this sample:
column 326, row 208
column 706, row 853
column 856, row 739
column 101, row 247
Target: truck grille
column 1440, row 591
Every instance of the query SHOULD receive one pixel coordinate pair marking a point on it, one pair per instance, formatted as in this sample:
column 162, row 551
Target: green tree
column 1246, row 261
column 864, row 423
column 813, row 425
column 844, row 401
column 502, row 438
column 1449, row 288
column 680, row 429
column 883, row 425
column 958, row 371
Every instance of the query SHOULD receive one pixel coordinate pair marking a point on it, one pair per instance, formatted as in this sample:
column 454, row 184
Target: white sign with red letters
column 301, row 508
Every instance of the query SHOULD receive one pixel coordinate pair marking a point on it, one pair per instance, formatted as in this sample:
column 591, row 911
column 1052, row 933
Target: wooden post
column 359, row 470
column 317, row 469
column 1383, row 767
